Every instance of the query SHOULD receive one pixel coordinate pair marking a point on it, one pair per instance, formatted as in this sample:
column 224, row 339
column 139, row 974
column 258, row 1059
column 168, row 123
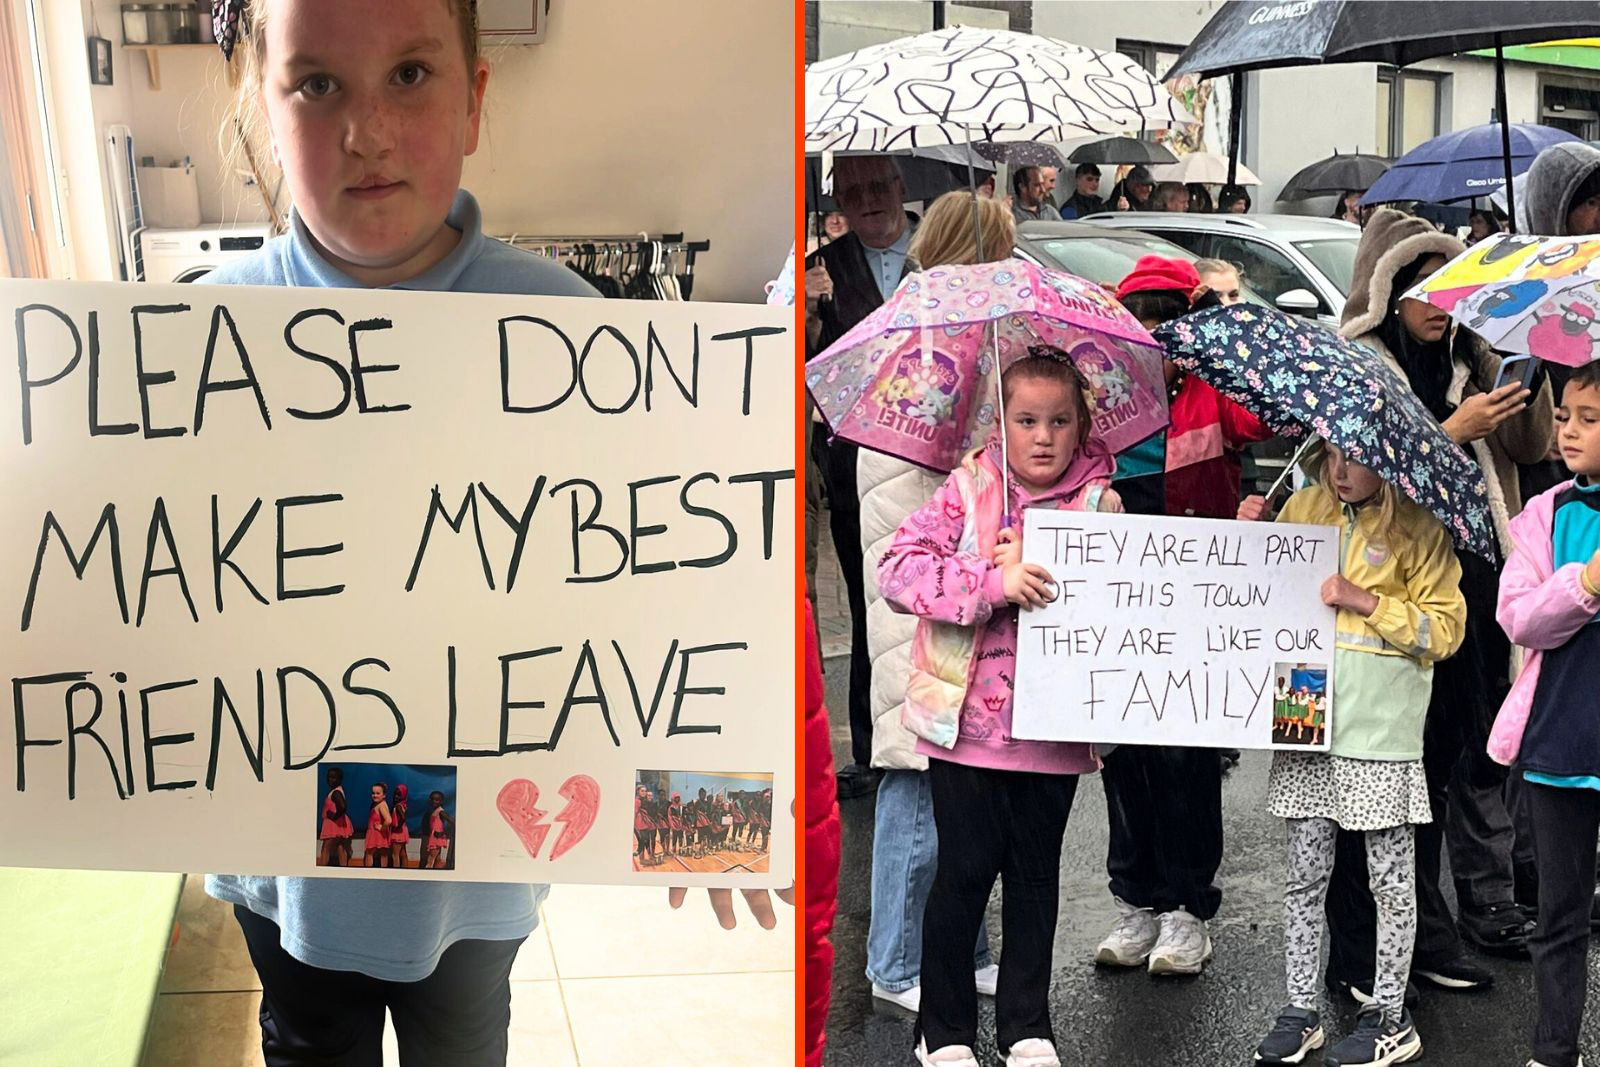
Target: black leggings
column 992, row 823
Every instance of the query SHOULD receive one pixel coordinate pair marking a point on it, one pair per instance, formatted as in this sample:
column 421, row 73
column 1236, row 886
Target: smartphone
column 1517, row 369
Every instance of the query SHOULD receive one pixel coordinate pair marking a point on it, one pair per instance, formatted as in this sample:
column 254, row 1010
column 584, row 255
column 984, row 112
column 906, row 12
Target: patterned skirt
column 1358, row 794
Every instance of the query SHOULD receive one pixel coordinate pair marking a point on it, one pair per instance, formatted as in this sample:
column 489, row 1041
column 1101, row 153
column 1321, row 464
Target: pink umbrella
column 917, row 378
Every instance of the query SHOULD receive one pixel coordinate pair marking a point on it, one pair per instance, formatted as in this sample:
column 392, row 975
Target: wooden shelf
column 152, row 59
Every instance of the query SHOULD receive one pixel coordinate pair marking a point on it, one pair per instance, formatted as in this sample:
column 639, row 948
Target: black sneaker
column 1361, row 992
column 1499, row 929
column 1458, row 975
column 1292, row 1037
column 1377, row 1042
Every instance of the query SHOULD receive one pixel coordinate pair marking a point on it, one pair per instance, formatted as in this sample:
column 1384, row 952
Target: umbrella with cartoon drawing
column 917, row 378
column 1538, row 295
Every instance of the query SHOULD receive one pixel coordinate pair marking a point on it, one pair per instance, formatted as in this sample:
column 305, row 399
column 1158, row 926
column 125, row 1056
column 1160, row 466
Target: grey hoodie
column 1556, row 174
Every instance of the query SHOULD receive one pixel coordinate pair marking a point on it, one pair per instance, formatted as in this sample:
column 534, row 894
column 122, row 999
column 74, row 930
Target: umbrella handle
column 1288, row 470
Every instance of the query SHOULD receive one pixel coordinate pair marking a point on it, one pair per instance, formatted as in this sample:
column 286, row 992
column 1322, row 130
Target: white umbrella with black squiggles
column 966, row 84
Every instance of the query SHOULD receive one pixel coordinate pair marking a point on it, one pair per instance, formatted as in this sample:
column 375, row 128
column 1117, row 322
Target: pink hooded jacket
column 940, row 568
column 1540, row 608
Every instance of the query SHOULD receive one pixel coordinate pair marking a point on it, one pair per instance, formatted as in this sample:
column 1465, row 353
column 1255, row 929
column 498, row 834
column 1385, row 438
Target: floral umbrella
column 1301, row 378
column 1539, row 295
column 917, row 378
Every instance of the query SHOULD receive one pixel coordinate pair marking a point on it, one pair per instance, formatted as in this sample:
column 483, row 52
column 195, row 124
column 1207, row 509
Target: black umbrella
column 1122, row 150
column 1251, row 35
column 1334, row 175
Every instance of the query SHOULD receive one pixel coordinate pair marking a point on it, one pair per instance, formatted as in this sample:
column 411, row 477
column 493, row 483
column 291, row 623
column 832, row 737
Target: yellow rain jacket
column 1383, row 663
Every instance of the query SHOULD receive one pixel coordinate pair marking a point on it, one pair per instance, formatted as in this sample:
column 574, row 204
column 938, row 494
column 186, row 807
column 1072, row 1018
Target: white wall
column 662, row 117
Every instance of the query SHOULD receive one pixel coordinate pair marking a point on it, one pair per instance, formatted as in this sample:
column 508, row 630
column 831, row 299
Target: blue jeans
column 905, row 851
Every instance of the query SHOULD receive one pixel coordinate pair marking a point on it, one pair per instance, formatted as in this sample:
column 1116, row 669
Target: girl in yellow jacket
column 1400, row 610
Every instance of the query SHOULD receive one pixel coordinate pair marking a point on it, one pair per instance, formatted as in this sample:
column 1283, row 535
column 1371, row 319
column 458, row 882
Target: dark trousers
column 1352, row 913
column 458, row 1015
column 837, row 458
column 1566, row 824
column 1489, row 834
column 992, row 823
column 1164, row 804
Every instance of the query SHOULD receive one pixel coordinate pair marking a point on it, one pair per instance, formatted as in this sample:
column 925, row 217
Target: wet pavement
column 1108, row 1018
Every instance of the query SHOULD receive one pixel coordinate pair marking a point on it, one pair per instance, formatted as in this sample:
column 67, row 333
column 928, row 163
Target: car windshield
column 1109, row 259
column 1335, row 257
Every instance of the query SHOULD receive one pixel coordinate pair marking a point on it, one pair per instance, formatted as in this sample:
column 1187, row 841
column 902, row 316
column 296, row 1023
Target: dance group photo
column 995, row 382
column 688, row 821
column 386, row 815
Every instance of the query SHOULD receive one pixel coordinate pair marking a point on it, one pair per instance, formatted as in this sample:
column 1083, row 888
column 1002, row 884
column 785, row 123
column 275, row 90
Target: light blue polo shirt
column 394, row 931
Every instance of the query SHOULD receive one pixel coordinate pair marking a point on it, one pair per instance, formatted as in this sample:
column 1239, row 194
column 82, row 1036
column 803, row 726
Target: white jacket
column 890, row 489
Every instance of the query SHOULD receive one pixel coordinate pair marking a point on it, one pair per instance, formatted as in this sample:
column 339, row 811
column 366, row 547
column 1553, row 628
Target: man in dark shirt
column 845, row 282
column 1085, row 198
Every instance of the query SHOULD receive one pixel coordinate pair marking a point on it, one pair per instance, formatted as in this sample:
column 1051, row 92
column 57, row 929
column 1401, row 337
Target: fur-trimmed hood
column 1391, row 240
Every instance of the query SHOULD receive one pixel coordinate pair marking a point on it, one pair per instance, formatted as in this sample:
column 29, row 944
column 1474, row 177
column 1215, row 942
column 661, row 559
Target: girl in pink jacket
column 1000, row 805
column 1548, row 729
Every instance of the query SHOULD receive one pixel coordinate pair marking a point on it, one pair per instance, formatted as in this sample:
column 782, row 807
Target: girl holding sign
column 371, row 109
column 1000, row 805
column 1400, row 610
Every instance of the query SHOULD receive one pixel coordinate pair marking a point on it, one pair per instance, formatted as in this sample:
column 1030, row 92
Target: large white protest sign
column 1177, row 631
column 271, row 554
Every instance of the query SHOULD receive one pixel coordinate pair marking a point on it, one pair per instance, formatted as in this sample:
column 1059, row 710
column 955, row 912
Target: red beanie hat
column 1160, row 273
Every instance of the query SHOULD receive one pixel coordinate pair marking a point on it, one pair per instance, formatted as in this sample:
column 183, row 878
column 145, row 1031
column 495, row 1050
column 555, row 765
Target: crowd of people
column 1453, row 669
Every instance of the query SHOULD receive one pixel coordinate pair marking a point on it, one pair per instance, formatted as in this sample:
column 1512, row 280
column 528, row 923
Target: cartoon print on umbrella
column 1534, row 295
column 917, row 378
column 1561, row 332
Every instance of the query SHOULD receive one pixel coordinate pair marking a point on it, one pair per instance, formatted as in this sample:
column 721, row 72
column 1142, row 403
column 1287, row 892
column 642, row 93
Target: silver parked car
column 1299, row 263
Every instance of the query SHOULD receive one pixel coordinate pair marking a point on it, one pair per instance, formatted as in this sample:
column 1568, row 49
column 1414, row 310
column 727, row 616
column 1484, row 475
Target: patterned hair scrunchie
column 229, row 18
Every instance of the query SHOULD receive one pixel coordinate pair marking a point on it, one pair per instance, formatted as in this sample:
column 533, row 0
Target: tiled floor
column 612, row 977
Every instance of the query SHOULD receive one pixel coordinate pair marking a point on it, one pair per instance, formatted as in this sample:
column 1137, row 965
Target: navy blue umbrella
column 1301, row 378
column 1462, row 165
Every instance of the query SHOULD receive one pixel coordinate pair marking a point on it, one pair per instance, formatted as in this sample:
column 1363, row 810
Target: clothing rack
column 637, row 266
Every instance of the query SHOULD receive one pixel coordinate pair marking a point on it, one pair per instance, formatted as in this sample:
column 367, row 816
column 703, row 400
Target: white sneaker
column 949, row 1056
column 909, row 999
column 1032, row 1052
column 1536, row 1063
column 1183, row 947
column 988, row 979
column 1130, row 941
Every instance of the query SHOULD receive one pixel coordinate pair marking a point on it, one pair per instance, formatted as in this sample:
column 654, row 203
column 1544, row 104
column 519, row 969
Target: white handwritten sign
column 271, row 554
column 1177, row 631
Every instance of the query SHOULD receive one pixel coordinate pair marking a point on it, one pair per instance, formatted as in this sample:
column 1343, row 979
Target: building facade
column 1291, row 116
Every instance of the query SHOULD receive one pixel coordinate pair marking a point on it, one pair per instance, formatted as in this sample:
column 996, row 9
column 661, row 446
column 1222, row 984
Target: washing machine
column 184, row 255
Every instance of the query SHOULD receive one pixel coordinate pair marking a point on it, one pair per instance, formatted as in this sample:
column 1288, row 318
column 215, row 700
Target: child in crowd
column 336, row 828
column 399, row 833
column 1000, row 805
column 1164, row 802
column 378, row 820
column 1549, row 602
column 1219, row 283
column 1399, row 610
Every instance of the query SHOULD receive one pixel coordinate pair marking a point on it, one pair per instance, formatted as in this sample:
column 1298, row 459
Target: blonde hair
column 1387, row 500
column 244, row 139
column 946, row 234
column 1218, row 266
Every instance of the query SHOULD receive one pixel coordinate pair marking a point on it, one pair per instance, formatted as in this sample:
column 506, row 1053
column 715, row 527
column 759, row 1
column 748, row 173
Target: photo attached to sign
column 1300, row 704
column 395, row 815
column 707, row 822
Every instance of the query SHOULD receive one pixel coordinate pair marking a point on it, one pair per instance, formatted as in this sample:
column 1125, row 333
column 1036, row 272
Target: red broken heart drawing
column 518, row 804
